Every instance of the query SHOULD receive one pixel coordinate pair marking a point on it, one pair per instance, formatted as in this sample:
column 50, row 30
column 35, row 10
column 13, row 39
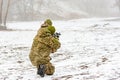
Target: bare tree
column 1, row 4
column 118, row 4
column 3, row 18
column 8, row 4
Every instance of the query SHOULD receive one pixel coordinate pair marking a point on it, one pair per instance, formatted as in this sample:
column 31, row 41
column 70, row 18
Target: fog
column 90, row 38
column 29, row 10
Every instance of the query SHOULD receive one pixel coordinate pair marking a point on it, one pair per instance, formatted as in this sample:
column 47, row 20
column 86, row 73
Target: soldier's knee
column 50, row 69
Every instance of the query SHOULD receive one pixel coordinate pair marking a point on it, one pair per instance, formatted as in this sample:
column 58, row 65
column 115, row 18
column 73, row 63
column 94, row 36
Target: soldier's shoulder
column 44, row 25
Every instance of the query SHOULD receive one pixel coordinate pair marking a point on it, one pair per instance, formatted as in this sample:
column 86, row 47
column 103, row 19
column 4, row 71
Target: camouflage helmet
column 51, row 29
column 48, row 21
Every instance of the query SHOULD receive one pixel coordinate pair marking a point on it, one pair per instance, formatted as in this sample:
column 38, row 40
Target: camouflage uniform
column 44, row 44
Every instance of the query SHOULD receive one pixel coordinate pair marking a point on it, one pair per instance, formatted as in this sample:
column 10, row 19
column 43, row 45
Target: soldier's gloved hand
column 50, row 58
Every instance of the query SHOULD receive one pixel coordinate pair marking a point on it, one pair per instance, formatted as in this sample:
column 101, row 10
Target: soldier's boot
column 41, row 70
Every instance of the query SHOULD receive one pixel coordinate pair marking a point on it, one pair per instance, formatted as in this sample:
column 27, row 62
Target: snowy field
column 90, row 50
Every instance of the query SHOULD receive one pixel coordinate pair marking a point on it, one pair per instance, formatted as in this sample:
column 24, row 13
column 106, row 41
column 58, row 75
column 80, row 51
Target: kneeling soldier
column 44, row 43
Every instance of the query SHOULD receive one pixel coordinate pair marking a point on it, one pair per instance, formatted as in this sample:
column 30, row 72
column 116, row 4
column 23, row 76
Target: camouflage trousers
column 49, row 68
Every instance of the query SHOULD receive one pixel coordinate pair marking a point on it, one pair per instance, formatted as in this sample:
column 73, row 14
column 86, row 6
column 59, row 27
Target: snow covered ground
column 90, row 50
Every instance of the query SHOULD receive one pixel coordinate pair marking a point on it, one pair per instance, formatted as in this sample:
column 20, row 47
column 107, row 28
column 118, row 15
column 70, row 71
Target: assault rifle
column 56, row 35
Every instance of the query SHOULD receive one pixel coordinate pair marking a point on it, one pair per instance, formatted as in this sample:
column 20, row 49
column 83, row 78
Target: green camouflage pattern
column 51, row 29
column 48, row 21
